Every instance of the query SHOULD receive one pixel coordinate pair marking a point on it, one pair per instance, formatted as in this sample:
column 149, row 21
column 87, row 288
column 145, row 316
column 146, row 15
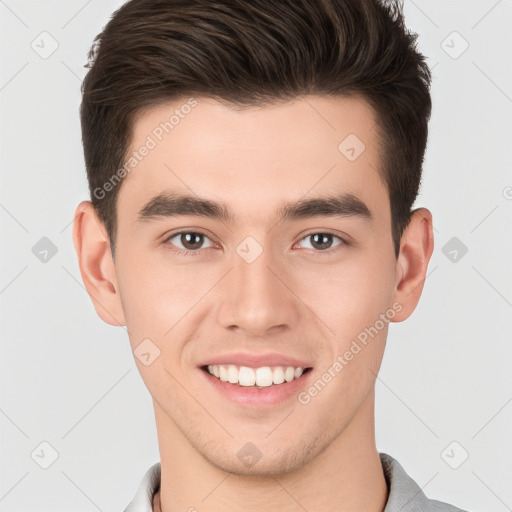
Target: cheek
column 348, row 296
column 155, row 296
column 165, row 301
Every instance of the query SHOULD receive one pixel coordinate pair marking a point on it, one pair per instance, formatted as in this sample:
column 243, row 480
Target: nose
column 256, row 297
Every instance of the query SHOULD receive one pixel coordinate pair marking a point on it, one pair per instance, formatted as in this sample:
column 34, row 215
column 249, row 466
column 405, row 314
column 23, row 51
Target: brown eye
column 322, row 241
column 188, row 241
column 191, row 240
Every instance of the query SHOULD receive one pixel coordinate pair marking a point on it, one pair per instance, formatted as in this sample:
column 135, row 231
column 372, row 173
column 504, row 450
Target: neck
column 344, row 477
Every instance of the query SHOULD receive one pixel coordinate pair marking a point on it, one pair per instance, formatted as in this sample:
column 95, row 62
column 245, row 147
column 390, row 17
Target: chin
column 264, row 459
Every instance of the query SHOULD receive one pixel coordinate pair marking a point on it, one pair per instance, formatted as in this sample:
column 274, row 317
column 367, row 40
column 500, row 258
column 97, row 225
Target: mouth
column 256, row 378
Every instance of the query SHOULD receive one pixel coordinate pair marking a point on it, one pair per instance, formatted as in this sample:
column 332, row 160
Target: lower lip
column 258, row 397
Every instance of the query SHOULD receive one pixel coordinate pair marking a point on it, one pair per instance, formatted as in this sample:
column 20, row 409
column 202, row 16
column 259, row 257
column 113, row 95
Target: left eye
column 322, row 241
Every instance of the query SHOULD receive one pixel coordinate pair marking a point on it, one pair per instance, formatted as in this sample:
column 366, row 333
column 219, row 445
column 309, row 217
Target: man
column 252, row 169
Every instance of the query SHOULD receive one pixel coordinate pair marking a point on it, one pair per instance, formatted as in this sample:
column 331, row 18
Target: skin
column 294, row 299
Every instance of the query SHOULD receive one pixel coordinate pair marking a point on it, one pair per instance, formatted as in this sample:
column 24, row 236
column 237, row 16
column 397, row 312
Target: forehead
column 256, row 157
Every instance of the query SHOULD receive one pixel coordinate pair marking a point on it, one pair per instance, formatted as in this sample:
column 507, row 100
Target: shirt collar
column 404, row 492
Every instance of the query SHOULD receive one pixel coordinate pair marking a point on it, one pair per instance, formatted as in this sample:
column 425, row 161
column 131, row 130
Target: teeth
column 247, row 376
column 223, row 374
column 261, row 377
column 264, row 376
column 232, row 374
column 278, row 375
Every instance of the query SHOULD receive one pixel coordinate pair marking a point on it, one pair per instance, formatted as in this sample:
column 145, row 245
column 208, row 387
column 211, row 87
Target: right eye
column 187, row 241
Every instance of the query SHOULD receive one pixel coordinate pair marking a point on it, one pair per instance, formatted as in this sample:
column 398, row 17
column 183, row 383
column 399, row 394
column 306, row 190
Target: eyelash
column 186, row 252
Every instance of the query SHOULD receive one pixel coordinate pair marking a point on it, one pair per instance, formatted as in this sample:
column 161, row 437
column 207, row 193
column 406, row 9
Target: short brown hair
column 252, row 53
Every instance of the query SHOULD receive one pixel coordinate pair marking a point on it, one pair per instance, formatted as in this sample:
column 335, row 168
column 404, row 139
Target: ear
column 97, row 268
column 416, row 247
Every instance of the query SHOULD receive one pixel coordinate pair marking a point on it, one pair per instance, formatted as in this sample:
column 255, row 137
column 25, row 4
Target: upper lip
column 256, row 360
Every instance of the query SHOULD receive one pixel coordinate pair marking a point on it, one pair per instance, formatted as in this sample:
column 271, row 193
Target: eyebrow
column 173, row 205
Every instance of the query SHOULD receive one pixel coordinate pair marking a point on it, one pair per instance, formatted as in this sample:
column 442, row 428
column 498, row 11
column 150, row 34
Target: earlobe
column 416, row 247
column 96, row 265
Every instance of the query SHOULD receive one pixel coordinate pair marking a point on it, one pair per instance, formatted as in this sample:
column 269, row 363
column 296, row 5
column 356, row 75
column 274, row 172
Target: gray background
column 68, row 379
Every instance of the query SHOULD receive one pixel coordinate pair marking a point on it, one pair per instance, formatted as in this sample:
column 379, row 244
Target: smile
column 246, row 376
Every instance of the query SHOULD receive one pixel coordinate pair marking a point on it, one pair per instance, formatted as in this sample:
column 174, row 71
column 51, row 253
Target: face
column 257, row 262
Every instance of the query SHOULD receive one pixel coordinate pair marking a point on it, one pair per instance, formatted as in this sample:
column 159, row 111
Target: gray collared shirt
column 404, row 493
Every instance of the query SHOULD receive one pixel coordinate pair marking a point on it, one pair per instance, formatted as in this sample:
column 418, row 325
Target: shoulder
column 405, row 494
column 143, row 499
